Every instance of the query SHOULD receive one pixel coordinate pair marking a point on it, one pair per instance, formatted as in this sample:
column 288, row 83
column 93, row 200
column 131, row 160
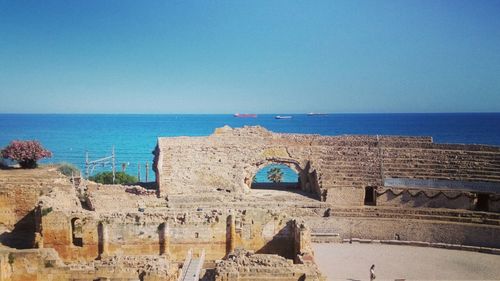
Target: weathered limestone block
column 302, row 243
column 345, row 196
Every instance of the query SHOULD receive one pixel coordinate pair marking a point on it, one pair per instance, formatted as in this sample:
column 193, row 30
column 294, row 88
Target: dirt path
column 352, row 262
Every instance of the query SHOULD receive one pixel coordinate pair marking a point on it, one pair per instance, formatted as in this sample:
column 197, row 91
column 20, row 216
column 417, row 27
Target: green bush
column 107, row 178
column 68, row 169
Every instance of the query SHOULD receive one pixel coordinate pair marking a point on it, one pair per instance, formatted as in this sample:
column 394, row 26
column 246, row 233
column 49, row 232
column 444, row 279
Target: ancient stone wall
column 481, row 235
column 29, row 265
column 58, row 233
column 335, row 169
column 303, row 252
column 171, row 232
column 121, row 234
column 45, row 265
column 19, row 193
column 402, row 197
column 247, row 266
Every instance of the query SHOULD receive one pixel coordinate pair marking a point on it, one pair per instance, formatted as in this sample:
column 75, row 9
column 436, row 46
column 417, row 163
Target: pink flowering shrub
column 26, row 153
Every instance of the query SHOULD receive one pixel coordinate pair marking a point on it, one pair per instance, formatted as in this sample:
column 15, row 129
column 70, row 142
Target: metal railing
column 185, row 265
column 201, row 260
column 192, row 266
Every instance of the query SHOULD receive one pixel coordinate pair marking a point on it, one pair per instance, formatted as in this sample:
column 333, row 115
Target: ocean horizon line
column 276, row 113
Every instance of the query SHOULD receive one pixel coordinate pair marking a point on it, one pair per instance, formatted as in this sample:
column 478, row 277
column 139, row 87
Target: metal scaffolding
column 90, row 165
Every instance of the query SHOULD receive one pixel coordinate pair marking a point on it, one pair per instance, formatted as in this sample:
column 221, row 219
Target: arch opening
column 77, row 232
column 296, row 178
column 276, row 176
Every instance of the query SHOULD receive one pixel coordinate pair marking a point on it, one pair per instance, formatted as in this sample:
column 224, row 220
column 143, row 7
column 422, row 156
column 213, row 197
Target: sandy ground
column 352, row 262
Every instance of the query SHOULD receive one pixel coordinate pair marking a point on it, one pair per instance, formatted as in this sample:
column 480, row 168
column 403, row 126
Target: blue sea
column 134, row 137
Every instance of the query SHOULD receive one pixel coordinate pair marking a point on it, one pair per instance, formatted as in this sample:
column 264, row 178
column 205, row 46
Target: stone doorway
column 77, row 232
column 370, row 196
column 482, row 202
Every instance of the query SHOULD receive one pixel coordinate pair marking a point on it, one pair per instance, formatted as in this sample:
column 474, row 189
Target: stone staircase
column 441, row 164
column 448, row 215
column 365, row 165
column 192, row 266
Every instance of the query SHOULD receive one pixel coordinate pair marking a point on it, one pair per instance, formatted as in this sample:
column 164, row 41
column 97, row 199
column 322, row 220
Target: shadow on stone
column 282, row 243
column 23, row 234
column 148, row 185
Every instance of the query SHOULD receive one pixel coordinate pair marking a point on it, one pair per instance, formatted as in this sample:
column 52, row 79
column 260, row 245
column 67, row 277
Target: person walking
column 372, row 272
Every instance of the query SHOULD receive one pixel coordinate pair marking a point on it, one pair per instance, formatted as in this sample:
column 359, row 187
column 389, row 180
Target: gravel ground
column 352, row 262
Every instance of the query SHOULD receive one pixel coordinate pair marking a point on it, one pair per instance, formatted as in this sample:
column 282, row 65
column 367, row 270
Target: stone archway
column 276, row 176
column 77, row 232
column 307, row 178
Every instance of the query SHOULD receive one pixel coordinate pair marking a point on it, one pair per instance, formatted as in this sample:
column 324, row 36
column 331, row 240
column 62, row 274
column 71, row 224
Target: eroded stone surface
column 335, row 169
column 93, row 231
column 245, row 265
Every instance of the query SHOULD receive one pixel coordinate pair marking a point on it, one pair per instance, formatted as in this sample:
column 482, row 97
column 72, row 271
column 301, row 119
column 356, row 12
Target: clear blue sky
column 249, row 56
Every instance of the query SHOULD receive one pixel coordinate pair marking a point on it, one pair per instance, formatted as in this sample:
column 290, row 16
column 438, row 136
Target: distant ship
column 245, row 115
column 314, row 113
column 283, row 117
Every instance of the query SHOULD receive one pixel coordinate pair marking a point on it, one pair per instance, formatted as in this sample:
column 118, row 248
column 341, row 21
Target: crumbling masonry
column 350, row 187
column 402, row 171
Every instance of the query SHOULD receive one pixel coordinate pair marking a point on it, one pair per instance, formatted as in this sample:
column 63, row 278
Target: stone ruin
column 342, row 170
column 246, row 265
column 205, row 212
column 106, row 232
